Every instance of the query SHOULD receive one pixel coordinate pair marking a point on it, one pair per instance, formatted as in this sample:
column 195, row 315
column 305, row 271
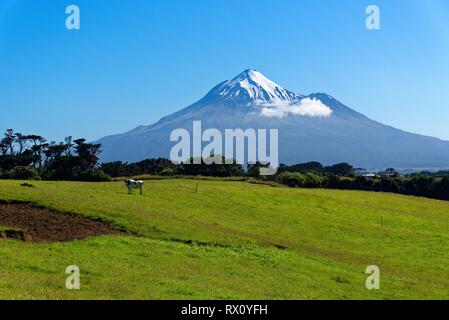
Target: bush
column 314, row 167
column 7, row 174
column 313, row 180
column 442, row 189
column 363, row 183
column 346, row 183
column 93, row 175
column 19, row 173
column 24, row 173
column 167, row 172
column 341, row 169
column 420, row 185
column 293, row 179
column 390, row 185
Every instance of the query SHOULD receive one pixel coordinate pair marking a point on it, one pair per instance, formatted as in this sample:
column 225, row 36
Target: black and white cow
column 134, row 184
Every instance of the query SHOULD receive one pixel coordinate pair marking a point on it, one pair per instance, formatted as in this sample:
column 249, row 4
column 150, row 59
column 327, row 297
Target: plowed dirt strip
column 28, row 223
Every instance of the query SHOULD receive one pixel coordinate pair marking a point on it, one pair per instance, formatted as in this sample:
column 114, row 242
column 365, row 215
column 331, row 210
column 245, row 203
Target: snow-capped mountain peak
column 252, row 88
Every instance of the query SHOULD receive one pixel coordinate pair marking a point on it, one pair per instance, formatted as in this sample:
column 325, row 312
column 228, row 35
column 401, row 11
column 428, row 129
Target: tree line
column 306, row 175
column 33, row 157
column 342, row 176
column 165, row 167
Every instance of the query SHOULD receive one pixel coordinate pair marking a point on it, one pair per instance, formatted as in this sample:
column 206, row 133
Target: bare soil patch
column 26, row 222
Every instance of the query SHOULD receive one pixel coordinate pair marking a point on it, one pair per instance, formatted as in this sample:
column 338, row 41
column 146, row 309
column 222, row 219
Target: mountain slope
column 311, row 128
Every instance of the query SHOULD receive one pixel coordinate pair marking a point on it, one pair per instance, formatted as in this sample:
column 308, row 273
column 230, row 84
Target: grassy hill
column 232, row 240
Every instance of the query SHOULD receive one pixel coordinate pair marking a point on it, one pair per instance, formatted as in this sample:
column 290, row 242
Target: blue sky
column 136, row 61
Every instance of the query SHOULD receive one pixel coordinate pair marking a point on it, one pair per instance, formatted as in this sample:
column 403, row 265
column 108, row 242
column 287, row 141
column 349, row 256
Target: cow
column 134, row 184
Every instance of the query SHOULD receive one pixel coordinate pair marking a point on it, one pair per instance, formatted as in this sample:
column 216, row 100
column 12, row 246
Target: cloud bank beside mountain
column 305, row 107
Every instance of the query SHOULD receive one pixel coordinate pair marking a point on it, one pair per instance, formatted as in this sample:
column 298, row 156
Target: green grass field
column 232, row 240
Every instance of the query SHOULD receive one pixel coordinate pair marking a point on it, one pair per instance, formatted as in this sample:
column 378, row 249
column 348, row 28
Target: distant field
column 232, row 240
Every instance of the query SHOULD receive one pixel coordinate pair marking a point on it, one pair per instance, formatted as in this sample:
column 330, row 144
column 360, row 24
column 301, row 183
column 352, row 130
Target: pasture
column 189, row 239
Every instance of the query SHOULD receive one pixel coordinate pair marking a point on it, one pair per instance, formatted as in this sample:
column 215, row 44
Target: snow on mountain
column 311, row 128
column 252, row 88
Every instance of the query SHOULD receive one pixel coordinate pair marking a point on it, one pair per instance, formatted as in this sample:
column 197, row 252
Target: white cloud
column 306, row 107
